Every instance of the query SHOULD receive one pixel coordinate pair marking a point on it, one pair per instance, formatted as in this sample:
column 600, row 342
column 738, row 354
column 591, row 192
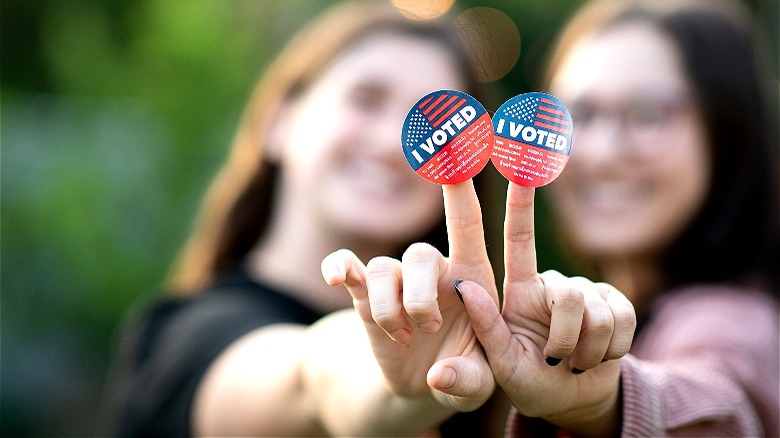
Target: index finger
column 464, row 223
column 344, row 267
column 519, row 237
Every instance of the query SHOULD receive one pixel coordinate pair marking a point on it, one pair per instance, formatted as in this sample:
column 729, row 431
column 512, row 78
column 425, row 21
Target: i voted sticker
column 533, row 139
column 447, row 137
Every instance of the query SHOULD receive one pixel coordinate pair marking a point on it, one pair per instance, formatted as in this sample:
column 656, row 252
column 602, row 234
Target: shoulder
column 197, row 328
column 711, row 316
column 715, row 302
column 237, row 300
column 168, row 345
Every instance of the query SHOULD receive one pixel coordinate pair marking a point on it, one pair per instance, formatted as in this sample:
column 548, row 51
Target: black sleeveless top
column 165, row 353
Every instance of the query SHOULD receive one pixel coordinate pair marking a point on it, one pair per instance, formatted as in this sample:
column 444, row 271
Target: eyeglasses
column 649, row 124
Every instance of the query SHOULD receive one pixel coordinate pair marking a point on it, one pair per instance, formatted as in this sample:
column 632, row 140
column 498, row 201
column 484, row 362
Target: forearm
column 254, row 388
column 603, row 420
column 701, row 400
column 348, row 390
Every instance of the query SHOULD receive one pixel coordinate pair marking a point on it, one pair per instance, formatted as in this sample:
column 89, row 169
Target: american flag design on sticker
column 533, row 138
column 427, row 115
column 542, row 112
column 445, row 136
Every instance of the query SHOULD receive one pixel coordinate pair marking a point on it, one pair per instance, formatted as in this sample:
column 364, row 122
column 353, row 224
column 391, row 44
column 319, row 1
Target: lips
column 609, row 198
column 377, row 178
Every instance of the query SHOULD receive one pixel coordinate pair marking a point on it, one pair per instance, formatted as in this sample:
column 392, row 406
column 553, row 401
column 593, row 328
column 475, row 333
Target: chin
column 612, row 247
column 387, row 229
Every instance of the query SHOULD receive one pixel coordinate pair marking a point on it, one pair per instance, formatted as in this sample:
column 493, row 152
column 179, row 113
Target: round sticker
column 533, row 139
column 447, row 137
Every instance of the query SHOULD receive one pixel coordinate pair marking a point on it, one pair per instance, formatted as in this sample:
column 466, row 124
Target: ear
column 276, row 130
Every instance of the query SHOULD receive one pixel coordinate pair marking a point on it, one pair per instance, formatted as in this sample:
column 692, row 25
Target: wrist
column 600, row 419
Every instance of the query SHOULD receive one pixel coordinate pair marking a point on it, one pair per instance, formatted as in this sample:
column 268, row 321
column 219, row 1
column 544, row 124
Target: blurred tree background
column 115, row 115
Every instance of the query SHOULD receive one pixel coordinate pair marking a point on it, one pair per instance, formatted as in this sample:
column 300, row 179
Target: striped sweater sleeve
column 708, row 364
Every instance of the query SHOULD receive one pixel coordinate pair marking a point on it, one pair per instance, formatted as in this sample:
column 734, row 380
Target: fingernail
column 430, row 327
column 552, row 361
column 449, row 377
column 401, row 336
column 457, row 289
column 577, row 371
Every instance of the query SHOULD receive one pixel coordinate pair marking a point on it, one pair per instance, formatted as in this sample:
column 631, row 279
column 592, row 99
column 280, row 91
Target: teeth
column 611, row 195
column 374, row 176
column 609, row 190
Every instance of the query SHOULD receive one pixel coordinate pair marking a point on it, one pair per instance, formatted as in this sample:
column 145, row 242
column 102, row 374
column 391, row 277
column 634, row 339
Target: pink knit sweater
column 706, row 364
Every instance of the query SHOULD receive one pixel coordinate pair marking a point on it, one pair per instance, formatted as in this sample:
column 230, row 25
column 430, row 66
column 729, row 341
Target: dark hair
column 735, row 237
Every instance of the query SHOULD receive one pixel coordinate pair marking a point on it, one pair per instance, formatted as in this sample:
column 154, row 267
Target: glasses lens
column 648, row 124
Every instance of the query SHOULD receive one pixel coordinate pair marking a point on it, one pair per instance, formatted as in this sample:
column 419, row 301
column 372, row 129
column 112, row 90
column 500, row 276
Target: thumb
column 487, row 322
column 461, row 382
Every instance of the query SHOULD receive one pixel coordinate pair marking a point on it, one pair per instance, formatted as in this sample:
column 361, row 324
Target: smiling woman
column 672, row 196
column 247, row 343
column 642, row 165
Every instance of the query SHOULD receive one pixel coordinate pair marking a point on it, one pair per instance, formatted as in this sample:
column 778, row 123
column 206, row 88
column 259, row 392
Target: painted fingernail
column 457, row 289
column 552, row 361
column 577, row 371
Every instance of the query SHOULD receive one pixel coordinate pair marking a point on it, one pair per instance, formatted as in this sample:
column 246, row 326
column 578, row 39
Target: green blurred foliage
column 114, row 116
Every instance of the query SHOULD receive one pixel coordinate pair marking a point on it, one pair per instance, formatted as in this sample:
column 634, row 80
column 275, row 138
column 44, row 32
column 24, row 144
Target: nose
column 386, row 133
column 600, row 142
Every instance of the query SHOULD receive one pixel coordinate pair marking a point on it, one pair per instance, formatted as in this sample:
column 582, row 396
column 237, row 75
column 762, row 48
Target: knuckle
column 381, row 263
column 520, row 236
column 625, row 319
column 343, row 253
column 378, row 280
column 601, row 323
column 465, row 222
column 619, row 349
column 581, row 281
column 419, row 252
column 384, row 317
column 551, row 273
column 570, row 297
column 565, row 344
column 419, row 309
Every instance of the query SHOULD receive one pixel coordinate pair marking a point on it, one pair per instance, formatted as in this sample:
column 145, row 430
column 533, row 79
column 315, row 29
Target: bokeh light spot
column 423, row 9
column 493, row 40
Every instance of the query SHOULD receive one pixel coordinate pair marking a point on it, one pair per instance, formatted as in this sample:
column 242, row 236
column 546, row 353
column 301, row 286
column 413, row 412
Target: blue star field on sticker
column 524, row 110
column 417, row 127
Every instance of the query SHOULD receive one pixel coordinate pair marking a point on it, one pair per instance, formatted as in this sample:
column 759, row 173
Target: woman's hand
column 417, row 325
column 547, row 345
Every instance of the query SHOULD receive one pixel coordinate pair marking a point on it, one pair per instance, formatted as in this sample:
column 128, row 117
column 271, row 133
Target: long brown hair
column 736, row 235
column 236, row 209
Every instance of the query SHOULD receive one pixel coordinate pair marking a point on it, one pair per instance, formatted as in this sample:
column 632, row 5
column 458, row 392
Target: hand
column 547, row 346
column 418, row 327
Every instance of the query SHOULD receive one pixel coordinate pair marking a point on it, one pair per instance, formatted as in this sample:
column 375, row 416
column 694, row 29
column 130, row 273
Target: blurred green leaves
column 114, row 116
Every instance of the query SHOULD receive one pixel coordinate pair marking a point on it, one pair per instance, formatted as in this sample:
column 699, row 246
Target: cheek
column 315, row 134
column 689, row 182
column 638, row 212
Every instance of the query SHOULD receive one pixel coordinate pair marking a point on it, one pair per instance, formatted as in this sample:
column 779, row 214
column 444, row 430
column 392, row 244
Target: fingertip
column 442, row 378
column 430, row 327
column 332, row 272
column 464, row 383
column 401, row 336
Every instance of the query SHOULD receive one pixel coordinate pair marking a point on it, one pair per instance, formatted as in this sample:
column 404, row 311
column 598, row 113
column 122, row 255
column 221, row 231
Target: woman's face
column 640, row 163
column 342, row 159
